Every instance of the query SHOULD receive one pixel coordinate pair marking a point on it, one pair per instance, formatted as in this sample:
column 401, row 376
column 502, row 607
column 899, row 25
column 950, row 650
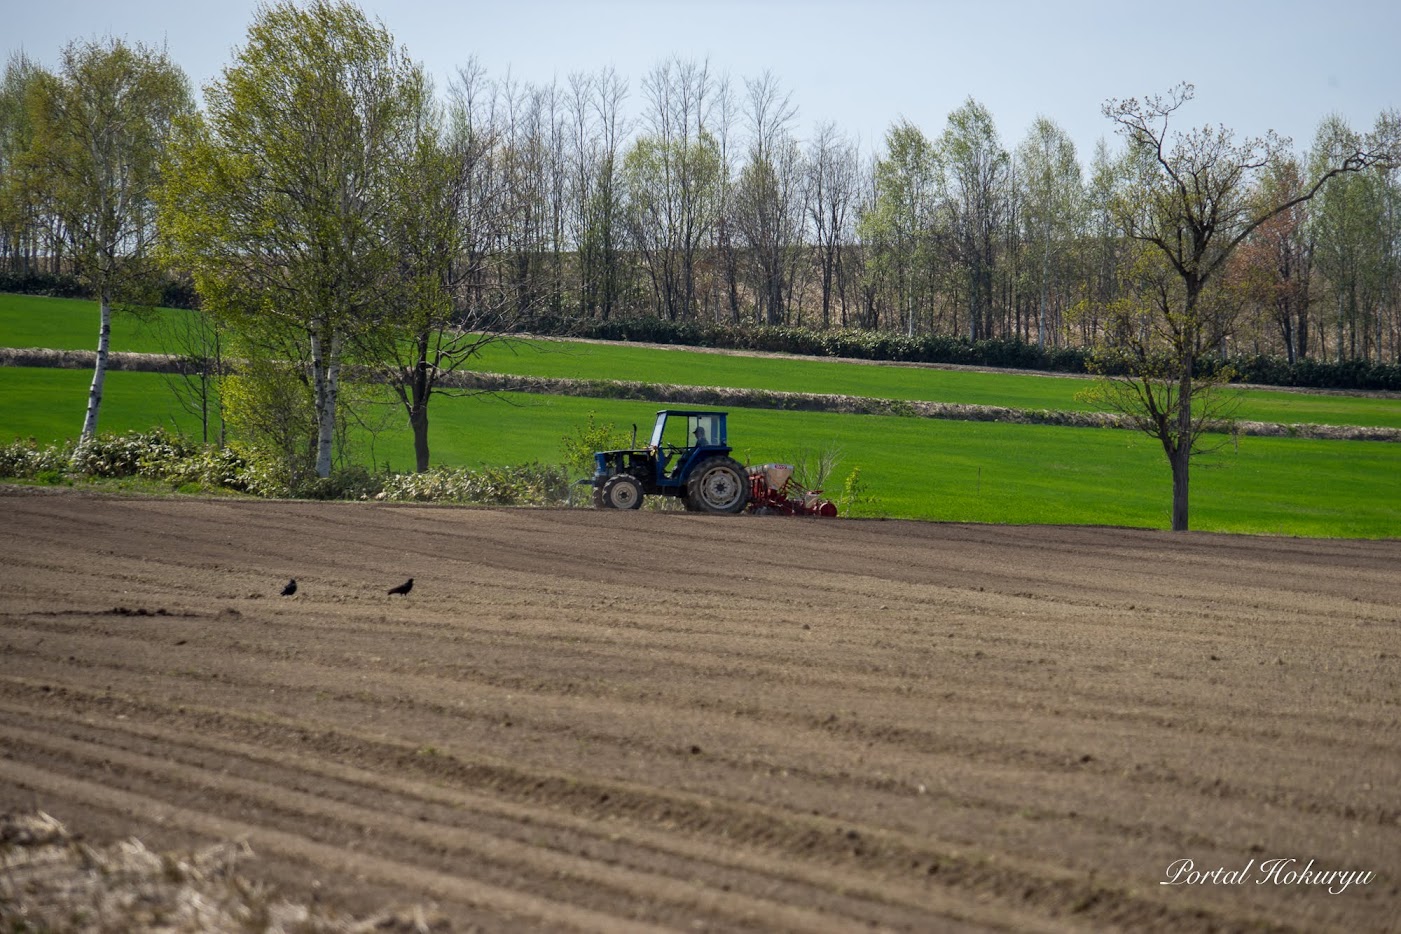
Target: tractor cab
column 688, row 457
column 680, row 437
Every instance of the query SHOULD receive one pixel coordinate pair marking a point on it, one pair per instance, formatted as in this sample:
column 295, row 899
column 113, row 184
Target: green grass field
column 71, row 324
column 66, row 324
column 578, row 360
column 914, row 468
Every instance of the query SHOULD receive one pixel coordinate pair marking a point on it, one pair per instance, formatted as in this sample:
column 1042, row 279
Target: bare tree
column 1279, row 257
column 769, row 208
column 673, row 176
column 596, row 129
column 726, row 222
column 1191, row 202
column 452, row 228
column 833, row 167
column 198, row 342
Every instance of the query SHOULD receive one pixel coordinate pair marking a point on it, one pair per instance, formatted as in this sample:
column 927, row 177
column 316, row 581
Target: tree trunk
column 1180, row 479
column 99, row 372
column 421, row 391
column 325, row 366
column 1182, row 453
column 418, row 419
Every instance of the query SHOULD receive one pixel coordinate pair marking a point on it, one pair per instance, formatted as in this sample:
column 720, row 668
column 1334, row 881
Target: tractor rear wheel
column 622, row 491
column 718, row 484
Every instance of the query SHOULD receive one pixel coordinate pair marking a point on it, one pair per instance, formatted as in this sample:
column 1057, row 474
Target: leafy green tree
column 280, row 200
column 1052, row 204
column 1192, row 198
column 101, row 126
column 20, row 196
column 268, row 403
column 1352, row 254
column 977, row 171
column 898, row 225
column 671, row 197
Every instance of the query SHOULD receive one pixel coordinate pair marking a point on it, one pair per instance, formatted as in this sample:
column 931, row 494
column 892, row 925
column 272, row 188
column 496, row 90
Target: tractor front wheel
column 718, row 484
column 622, row 491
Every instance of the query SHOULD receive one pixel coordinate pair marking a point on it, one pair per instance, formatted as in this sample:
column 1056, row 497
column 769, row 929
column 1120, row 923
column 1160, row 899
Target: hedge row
column 1000, row 353
column 168, row 292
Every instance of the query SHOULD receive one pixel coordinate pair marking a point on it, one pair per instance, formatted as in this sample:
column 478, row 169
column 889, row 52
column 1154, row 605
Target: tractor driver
column 700, row 436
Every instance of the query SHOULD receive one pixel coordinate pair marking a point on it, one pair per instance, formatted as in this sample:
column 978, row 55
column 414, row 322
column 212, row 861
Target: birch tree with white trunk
column 100, row 127
column 281, row 200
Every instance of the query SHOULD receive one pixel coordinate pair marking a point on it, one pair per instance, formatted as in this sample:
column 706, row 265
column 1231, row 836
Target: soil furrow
column 672, row 719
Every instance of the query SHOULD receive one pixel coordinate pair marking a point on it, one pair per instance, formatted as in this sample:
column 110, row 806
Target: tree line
column 330, row 208
column 692, row 196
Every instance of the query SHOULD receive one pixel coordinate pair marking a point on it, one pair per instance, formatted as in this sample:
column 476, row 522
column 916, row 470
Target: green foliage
column 150, row 455
column 142, row 454
column 353, row 482
column 532, row 484
column 856, row 500
column 578, row 446
column 100, row 129
column 180, row 465
column 26, row 459
column 299, row 161
column 269, row 407
column 812, row 467
column 43, row 283
column 673, row 193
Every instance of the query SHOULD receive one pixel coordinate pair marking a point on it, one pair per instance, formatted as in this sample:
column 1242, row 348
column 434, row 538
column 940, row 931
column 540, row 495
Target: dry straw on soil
column 51, row 880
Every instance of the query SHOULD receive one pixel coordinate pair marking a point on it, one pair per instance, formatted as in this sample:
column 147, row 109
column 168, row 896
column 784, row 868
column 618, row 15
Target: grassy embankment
column 917, row 468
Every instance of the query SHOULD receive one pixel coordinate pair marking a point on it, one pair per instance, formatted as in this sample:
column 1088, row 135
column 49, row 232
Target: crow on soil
column 403, row 588
column 291, row 588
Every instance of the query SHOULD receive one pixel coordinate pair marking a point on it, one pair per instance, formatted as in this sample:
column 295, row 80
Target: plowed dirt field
column 627, row 721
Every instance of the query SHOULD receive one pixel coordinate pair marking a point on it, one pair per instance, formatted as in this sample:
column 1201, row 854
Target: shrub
column 138, row 454
column 188, row 467
column 345, row 483
column 525, row 485
column 25, row 460
column 578, row 448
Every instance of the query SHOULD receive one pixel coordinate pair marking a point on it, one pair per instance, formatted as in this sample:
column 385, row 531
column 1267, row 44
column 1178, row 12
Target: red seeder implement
column 768, row 495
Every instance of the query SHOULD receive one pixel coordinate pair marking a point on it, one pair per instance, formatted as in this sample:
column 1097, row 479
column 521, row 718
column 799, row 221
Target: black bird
column 403, row 588
column 291, row 588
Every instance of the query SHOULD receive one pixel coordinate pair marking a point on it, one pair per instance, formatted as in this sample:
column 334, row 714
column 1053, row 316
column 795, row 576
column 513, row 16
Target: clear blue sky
column 862, row 64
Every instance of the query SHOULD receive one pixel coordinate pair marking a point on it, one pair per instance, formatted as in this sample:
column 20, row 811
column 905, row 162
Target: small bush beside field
column 164, row 459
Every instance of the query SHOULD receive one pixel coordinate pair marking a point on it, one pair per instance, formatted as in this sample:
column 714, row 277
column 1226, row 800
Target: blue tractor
column 688, row 458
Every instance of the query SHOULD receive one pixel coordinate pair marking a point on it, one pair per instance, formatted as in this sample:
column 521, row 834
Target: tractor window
column 689, row 431
column 703, row 429
column 673, row 433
